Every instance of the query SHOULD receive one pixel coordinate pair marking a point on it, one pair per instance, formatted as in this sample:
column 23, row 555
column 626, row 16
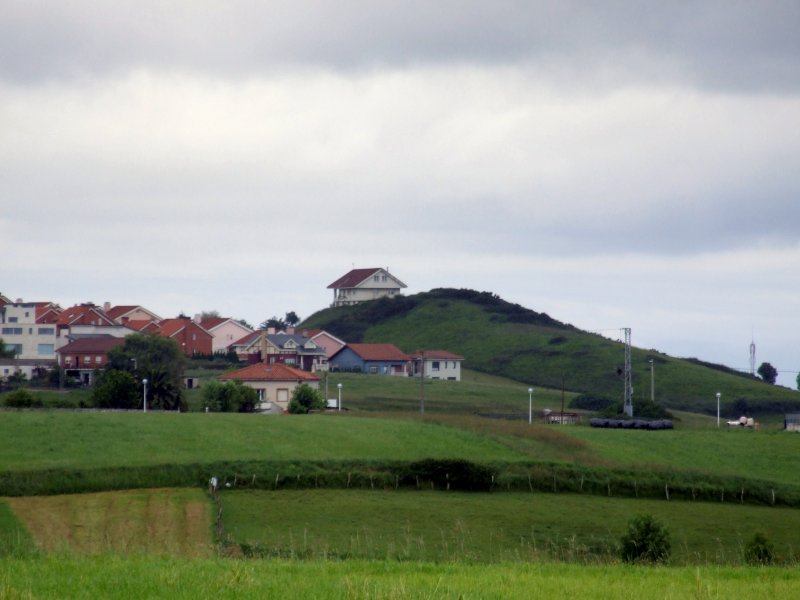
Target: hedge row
column 430, row 474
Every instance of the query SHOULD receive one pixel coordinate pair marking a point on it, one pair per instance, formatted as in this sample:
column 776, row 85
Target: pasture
column 179, row 578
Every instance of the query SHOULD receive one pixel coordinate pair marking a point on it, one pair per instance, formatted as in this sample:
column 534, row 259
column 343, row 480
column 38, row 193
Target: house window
column 98, row 359
column 14, row 348
column 435, row 365
column 68, row 359
column 46, row 331
column 373, row 370
column 45, row 349
column 12, row 330
column 12, row 319
column 87, row 359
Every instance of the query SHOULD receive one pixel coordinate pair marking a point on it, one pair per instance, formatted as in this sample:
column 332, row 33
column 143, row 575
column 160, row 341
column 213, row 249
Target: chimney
column 106, row 306
column 197, row 318
column 290, row 330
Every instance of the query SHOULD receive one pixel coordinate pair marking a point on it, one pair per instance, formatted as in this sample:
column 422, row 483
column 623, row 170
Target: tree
column 291, row 318
column 157, row 359
column 231, row 396
column 116, row 389
column 767, row 372
column 278, row 324
column 646, row 540
column 798, row 381
column 305, row 399
column 209, row 314
column 759, row 550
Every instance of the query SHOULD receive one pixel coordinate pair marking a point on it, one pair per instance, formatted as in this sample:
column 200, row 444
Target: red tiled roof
column 115, row 312
column 94, row 345
column 437, row 355
column 77, row 313
column 353, row 278
column 171, row 327
column 264, row 372
column 378, row 351
column 211, row 322
column 247, row 339
column 142, row 325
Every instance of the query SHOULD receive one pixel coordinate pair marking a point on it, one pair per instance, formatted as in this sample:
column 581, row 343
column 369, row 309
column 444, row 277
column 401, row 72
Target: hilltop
column 502, row 338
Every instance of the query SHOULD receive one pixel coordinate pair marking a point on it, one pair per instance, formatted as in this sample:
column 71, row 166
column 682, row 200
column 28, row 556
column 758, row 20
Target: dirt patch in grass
column 164, row 521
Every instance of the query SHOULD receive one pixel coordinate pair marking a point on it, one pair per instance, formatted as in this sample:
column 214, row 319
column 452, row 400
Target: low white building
column 24, row 334
column 437, row 364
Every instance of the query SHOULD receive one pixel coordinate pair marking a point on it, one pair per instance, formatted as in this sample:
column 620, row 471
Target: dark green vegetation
column 646, row 540
column 506, row 339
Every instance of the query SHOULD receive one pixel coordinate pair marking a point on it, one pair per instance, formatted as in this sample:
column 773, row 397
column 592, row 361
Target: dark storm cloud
column 724, row 44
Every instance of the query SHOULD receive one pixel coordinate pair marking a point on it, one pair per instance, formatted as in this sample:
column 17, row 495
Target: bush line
column 429, row 474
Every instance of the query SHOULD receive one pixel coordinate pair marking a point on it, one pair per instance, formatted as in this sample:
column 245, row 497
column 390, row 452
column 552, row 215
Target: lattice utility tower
column 752, row 357
column 628, row 403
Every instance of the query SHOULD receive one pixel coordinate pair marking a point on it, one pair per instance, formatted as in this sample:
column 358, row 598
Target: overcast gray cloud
column 611, row 164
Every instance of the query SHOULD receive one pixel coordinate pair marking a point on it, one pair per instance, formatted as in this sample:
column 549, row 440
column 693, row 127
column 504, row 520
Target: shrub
column 646, row 540
column 759, row 550
column 305, row 398
column 116, row 389
column 455, row 474
column 591, row 402
column 22, row 398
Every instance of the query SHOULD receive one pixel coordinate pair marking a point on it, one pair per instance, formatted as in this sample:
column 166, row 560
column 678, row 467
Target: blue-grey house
column 381, row 359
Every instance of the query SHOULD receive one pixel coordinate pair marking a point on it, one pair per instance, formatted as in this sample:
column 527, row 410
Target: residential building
column 225, row 331
column 294, row 350
column 82, row 357
column 327, row 341
column 382, row 359
column 273, row 383
column 191, row 337
column 436, row 364
column 361, row 285
column 28, row 330
column 248, row 347
column 124, row 313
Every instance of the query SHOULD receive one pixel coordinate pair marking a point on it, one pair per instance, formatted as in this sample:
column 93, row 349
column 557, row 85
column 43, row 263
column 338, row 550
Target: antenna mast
column 628, row 403
column 752, row 357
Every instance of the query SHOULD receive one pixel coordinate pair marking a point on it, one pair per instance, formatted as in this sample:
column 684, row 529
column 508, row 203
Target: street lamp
column 144, row 383
column 530, row 405
column 718, row 395
column 339, row 403
column 652, row 381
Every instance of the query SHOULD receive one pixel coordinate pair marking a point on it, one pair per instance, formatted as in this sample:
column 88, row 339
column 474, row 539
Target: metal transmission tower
column 628, row 404
column 752, row 357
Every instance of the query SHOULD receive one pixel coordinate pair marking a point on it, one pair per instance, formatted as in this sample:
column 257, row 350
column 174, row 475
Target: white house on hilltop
column 361, row 285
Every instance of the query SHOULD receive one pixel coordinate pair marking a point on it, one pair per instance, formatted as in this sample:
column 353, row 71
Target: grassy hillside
column 506, row 339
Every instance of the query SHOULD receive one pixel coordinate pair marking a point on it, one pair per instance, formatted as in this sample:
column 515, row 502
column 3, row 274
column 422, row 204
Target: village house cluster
column 42, row 335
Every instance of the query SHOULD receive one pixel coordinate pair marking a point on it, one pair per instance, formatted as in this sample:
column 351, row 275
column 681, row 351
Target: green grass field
column 175, row 578
column 463, row 527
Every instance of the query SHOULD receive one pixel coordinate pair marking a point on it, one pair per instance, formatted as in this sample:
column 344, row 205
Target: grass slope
column 143, row 577
column 440, row 526
column 505, row 339
column 31, row 440
column 156, row 522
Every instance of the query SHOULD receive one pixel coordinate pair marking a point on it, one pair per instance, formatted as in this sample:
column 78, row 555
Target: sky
column 616, row 164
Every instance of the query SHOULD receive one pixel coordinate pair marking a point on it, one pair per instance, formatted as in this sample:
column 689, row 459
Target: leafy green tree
column 798, row 381
column 277, row 323
column 209, row 314
column 116, row 389
column 646, row 540
column 291, row 318
column 231, row 396
column 305, row 399
column 22, row 398
column 768, row 373
column 157, row 359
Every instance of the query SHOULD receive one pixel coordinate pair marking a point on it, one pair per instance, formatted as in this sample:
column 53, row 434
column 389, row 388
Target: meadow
column 178, row 578
column 483, row 527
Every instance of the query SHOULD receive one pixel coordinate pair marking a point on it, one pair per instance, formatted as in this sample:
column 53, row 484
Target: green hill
column 502, row 338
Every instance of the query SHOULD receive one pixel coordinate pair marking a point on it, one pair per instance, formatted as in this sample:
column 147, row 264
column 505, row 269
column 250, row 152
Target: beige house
column 274, row 384
column 361, row 285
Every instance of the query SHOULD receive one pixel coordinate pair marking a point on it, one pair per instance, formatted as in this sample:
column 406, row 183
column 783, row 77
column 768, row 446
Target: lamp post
column 530, row 405
column 339, row 403
column 718, row 395
column 144, row 383
column 652, row 381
